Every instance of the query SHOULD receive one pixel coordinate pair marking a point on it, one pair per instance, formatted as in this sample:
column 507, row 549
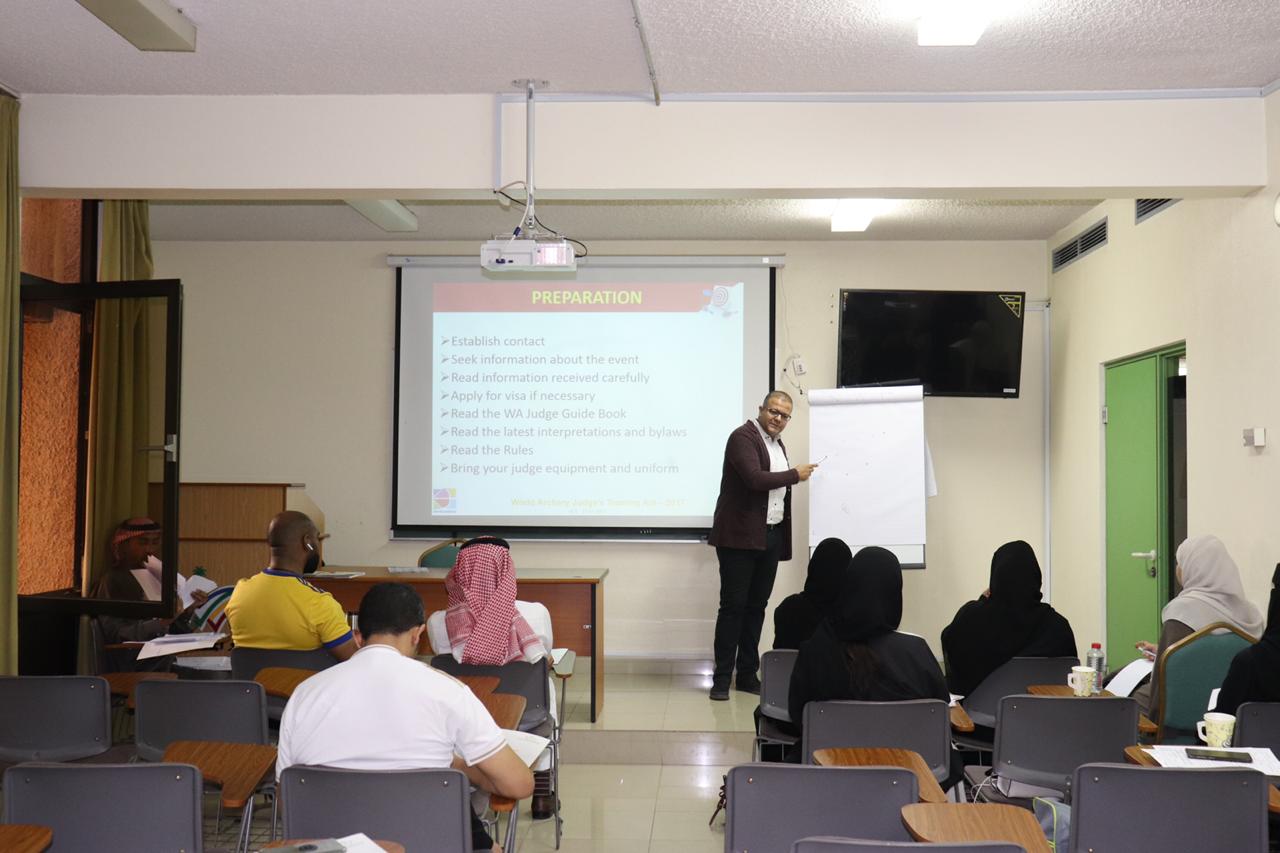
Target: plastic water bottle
column 1098, row 660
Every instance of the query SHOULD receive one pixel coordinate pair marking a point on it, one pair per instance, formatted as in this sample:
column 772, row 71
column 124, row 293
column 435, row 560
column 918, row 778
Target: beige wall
column 1203, row 271
column 287, row 377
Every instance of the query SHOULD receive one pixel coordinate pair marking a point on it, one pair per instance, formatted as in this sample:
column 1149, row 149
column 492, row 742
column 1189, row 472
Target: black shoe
column 543, row 806
column 720, row 693
column 747, row 685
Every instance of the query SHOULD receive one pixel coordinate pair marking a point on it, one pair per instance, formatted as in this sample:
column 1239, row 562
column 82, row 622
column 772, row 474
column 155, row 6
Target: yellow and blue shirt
column 280, row 610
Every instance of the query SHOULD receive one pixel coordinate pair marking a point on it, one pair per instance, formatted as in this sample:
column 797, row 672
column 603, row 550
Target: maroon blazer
column 739, row 521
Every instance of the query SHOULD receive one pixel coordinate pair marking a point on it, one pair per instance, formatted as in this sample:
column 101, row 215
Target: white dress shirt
column 777, row 462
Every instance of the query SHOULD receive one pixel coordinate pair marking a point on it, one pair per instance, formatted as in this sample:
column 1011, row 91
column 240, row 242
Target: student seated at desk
column 383, row 710
column 800, row 614
column 857, row 654
column 1254, row 675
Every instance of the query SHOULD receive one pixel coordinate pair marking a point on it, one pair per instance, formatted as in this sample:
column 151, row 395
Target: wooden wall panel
column 224, row 562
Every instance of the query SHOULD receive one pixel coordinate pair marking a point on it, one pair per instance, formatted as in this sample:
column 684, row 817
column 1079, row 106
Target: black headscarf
column 799, row 615
column 868, row 607
column 1254, row 675
column 1010, row 622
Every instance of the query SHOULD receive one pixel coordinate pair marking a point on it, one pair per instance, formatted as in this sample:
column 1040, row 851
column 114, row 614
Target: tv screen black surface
column 956, row 343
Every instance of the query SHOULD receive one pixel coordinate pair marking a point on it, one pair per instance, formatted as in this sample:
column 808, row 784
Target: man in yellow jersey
column 277, row 608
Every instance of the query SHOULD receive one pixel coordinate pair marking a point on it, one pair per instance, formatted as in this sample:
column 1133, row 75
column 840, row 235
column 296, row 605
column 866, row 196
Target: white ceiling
column 745, row 219
column 699, row 46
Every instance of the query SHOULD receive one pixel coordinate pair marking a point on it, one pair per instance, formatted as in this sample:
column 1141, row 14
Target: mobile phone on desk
column 1219, row 755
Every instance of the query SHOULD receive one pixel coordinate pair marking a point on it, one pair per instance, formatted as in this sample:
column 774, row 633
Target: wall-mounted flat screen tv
column 956, row 343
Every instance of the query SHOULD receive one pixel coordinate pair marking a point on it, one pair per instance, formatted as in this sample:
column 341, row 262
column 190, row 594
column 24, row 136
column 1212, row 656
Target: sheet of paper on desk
column 408, row 570
column 1176, row 756
column 955, row 700
column 173, row 643
column 339, row 575
column 557, row 655
column 1123, row 682
column 359, row 843
column 527, row 746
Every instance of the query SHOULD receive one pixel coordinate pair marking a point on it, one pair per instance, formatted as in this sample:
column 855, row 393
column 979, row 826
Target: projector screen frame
column 561, row 533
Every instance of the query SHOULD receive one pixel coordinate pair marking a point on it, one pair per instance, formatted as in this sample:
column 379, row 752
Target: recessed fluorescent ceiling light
column 956, row 22
column 146, row 24
column 855, row 214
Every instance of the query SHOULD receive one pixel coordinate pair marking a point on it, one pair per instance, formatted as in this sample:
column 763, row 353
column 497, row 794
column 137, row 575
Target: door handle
column 1150, row 557
column 170, row 448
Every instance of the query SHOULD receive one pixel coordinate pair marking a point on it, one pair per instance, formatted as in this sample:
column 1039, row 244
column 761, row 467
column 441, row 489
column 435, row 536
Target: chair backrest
column 108, row 808
column 1189, row 671
column 771, row 806
column 1156, row 809
column 1041, row 740
column 234, row 711
column 775, row 682
column 1258, row 724
column 518, row 677
column 54, row 717
column 425, row 810
column 1012, row 677
column 922, row 725
column 441, row 556
column 828, row 844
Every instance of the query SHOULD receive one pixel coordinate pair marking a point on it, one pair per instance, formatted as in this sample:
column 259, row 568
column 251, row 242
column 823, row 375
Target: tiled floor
column 646, row 695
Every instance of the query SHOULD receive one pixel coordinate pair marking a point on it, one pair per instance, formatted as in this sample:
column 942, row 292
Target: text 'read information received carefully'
column 600, row 402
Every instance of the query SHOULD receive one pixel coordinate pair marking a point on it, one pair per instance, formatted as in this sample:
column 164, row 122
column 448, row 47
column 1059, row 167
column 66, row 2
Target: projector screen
column 581, row 405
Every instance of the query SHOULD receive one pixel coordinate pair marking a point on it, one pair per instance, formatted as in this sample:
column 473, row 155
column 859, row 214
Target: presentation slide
column 601, row 401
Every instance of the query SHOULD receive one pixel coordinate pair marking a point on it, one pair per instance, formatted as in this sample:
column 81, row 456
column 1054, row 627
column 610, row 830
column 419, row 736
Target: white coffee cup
column 1082, row 680
column 1216, row 729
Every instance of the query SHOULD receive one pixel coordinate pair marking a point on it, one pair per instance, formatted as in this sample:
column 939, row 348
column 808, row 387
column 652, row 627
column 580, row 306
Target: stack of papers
column 341, row 575
column 408, row 570
column 1176, row 756
column 174, row 643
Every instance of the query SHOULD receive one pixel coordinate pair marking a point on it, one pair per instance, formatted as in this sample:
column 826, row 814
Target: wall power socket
column 797, row 366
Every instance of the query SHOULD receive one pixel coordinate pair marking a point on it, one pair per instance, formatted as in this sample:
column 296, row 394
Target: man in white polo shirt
column 383, row 710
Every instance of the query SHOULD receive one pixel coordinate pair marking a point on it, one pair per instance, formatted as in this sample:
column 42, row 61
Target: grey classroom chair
column 1041, row 740
column 234, row 711
column 246, row 662
column 108, row 808
column 922, row 725
column 54, row 718
column 1258, row 724
column 775, row 683
column 1011, row 678
column 428, row 811
column 828, row 844
column 771, row 806
column 1159, row 809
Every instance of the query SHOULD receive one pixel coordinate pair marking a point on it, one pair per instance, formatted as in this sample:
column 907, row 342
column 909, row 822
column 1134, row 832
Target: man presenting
column 751, row 532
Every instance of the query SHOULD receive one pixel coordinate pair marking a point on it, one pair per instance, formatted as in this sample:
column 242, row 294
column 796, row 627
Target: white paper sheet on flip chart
column 875, row 470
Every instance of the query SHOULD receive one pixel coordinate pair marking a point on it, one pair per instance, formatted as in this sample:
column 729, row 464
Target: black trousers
column 746, row 582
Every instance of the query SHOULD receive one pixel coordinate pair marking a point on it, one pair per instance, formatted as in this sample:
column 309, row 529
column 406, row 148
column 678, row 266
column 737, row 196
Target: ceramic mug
column 1216, row 729
column 1082, row 680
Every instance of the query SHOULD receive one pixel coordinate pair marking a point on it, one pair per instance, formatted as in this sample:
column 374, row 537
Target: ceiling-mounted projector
column 531, row 247
column 519, row 254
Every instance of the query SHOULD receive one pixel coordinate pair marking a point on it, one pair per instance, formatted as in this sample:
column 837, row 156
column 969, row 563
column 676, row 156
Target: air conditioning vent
column 1082, row 244
column 1145, row 208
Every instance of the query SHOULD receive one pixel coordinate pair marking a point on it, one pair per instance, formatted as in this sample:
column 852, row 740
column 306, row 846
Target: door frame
column 1168, row 357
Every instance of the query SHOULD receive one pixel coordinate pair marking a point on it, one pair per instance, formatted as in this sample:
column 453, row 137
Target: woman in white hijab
column 1211, row 592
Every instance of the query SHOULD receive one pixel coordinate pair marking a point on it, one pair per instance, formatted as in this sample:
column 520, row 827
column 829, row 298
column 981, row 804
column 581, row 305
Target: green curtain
column 10, row 381
column 120, row 403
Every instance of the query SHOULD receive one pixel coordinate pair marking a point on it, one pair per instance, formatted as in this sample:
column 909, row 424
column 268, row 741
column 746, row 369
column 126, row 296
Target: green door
column 1133, row 506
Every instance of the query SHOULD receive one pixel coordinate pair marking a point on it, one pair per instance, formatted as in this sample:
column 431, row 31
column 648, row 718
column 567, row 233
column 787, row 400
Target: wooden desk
column 481, row 685
column 930, row 790
column 1137, row 754
column 505, row 708
column 959, row 822
column 238, row 768
column 389, row 846
column 125, row 683
column 1145, row 726
column 281, row 681
column 25, row 838
column 960, row 720
column 574, row 597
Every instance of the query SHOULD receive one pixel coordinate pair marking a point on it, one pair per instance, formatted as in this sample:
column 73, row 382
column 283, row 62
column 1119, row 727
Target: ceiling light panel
column 146, row 24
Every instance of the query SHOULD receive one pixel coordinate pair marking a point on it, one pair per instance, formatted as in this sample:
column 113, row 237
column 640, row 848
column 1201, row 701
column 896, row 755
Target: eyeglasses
column 777, row 414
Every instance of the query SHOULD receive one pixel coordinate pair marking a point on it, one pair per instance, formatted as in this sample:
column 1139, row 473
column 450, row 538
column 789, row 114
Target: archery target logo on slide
column 724, row 300
column 444, row 501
